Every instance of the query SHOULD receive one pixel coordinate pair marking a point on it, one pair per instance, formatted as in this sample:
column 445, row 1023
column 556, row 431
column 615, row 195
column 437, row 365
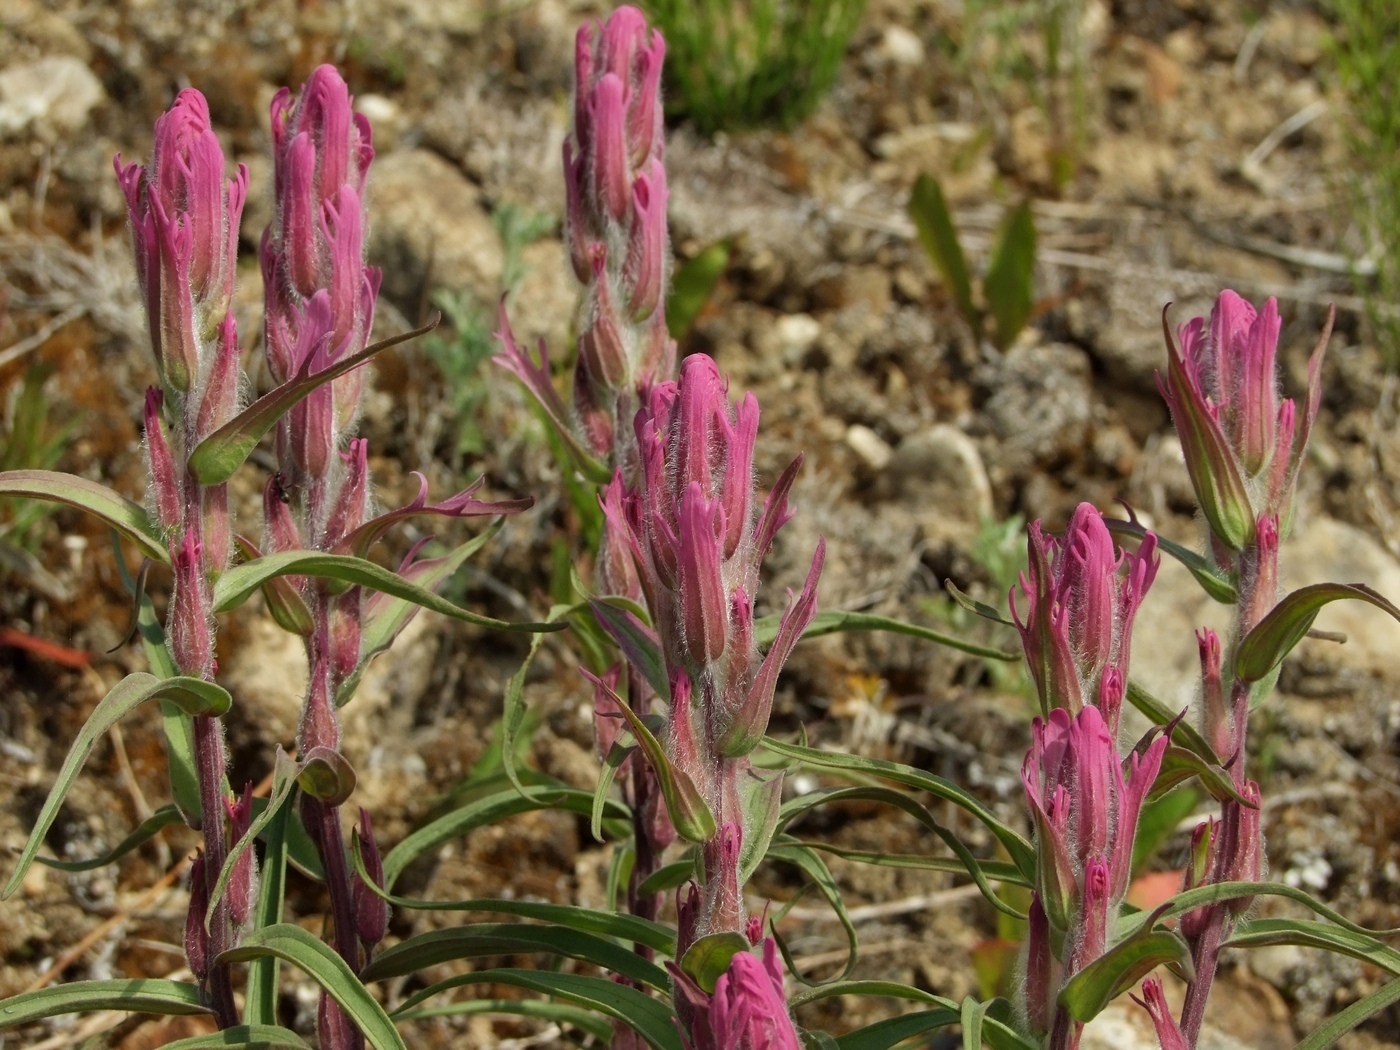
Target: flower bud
column 242, row 888
column 1215, row 715
column 371, row 910
column 196, row 936
column 1200, row 863
column 1169, row 1036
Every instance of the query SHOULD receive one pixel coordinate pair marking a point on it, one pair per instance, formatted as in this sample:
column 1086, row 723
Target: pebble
column 869, row 446
column 796, row 334
column 55, row 95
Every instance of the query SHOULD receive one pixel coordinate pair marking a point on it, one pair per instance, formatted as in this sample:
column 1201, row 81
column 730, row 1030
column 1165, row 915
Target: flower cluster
column 615, row 186
column 1085, row 797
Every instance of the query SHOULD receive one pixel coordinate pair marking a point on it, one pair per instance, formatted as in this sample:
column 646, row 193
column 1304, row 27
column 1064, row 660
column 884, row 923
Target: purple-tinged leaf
column 1121, row 967
column 285, row 603
column 220, row 454
column 637, row 641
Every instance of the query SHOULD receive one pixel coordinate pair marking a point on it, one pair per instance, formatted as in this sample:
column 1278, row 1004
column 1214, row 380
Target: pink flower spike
column 1153, row 1000
column 749, row 1009
column 736, row 492
column 1256, row 392
column 1141, row 775
column 1086, row 589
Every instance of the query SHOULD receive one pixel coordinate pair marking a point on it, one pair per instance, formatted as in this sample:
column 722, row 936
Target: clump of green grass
column 1365, row 47
column 746, row 63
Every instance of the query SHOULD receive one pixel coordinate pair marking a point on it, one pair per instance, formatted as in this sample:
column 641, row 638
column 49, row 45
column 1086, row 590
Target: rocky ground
column 1213, row 139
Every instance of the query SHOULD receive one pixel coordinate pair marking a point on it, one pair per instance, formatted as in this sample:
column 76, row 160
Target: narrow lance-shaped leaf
column 192, row 695
column 237, row 584
column 929, row 211
column 1211, row 581
column 243, row 1037
column 1341, row 1023
column 216, row 458
column 650, row 1018
column 318, row 961
column 1086, row 993
column 142, row 833
column 137, row 995
column 835, row 621
column 1288, row 622
column 128, row 518
column 1010, row 276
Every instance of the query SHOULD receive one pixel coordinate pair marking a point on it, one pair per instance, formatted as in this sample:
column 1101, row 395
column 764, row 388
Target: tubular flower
column 1169, row 1035
column 1239, row 438
column 1079, row 613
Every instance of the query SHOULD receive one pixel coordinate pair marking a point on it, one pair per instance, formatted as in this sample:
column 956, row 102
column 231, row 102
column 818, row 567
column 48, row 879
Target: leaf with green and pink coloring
column 1274, row 637
column 128, row 518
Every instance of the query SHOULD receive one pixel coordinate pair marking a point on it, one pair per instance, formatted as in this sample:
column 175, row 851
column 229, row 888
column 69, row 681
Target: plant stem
column 210, row 761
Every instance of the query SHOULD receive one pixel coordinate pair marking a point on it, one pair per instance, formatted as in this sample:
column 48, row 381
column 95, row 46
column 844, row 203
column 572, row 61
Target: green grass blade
column 243, row 1037
column 1340, row 1024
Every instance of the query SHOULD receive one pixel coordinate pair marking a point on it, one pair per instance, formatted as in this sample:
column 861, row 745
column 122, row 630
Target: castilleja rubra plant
column 682, row 673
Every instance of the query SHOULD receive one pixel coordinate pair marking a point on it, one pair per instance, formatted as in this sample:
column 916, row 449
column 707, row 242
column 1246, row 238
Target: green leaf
column 1086, row 993
column 996, row 1027
column 650, row 1018
column 192, row 695
column 1212, row 582
column 1274, row 637
column 1158, row 820
column 629, row 928
column 288, row 608
column 1214, row 893
column 236, row 585
column 476, row 940
column 384, row 616
column 128, row 518
column 144, row 832
column 318, row 961
column 668, row 877
column 560, row 1013
column 220, row 454
column 488, row 810
column 137, row 996
column 760, row 805
column 890, row 797
column 1340, row 1024
column 1180, row 764
column 261, row 996
column 931, row 218
column 691, row 287
column 1307, row 933
column 243, row 1037
column 805, row 860
column 1183, row 733
column 622, row 749
column 971, row 1013
column 514, row 710
column 997, row 871
column 708, row 959
column 1021, row 852
column 1008, row 286
column 975, row 607
column 689, row 813
column 178, row 727
column 835, row 621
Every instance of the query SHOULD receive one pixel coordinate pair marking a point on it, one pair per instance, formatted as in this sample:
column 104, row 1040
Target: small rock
column 795, row 334
column 384, row 116
column 429, row 227
column 56, row 95
column 1040, row 405
column 869, row 446
column 939, row 472
column 900, row 47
